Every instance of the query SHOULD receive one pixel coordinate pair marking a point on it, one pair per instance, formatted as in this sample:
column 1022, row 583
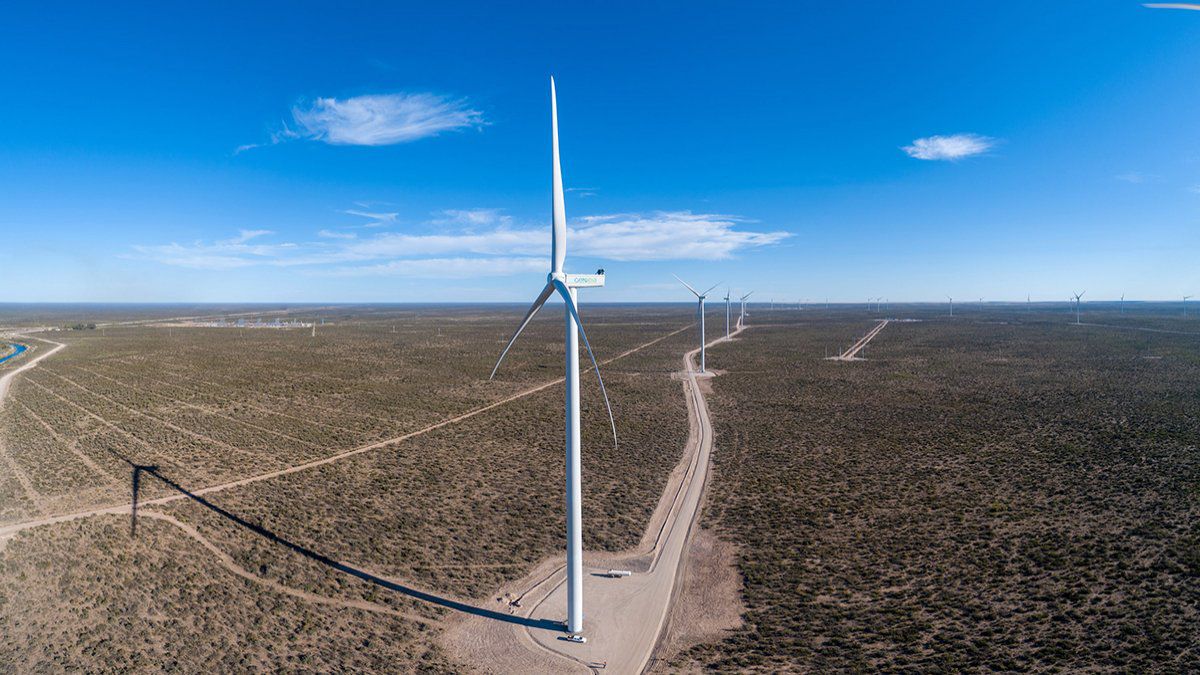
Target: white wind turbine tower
column 566, row 285
column 742, row 318
column 727, row 292
column 1077, row 297
column 700, row 311
column 951, row 305
column 1185, row 299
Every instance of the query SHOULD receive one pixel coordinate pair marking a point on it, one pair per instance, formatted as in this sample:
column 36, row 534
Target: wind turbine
column 699, row 311
column 1122, row 303
column 951, row 305
column 742, row 318
column 566, row 285
column 727, row 291
column 1185, row 299
column 1077, row 297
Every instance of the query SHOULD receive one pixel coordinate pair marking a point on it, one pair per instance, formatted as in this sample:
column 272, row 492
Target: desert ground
column 1003, row 488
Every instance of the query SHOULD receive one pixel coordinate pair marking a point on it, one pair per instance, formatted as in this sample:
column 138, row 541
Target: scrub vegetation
column 1001, row 490
column 456, row 511
column 998, row 491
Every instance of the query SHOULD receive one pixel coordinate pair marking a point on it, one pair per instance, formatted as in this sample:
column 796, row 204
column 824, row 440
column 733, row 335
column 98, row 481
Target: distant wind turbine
column 727, row 291
column 951, row 305
column 742, row 318
column 566, row 285
column 1077, row 297
column 700, row 313
column 1185, row 299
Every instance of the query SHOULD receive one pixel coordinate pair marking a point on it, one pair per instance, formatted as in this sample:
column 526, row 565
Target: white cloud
column 379, row 219
column 382, row 119
column 665, row 235
column 1172, row 5
column 225, row 254
column 246, row 235
column 471, row 217
column 953, row 147
column 444, row 268
column 1135, row 177
column 1195, row 189
column 482, row 240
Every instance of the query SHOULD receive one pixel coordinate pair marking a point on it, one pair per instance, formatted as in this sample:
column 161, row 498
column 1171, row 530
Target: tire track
column 10, row 530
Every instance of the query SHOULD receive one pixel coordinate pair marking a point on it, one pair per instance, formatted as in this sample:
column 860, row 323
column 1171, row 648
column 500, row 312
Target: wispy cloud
column 374, row 119
column 952, row 147
column 485, row 238
column 378, row 218
column 1172, row 5
column 1135, row 177
column 666, row 235
column 471, row 217
column 383, row 119
column 443, row 268
column 583, row 191
column 246, row 235
column 224, row 254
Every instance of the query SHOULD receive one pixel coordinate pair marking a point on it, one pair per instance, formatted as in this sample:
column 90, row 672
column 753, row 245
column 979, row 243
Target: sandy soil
column 8, row 531
column 624, row 618
column 709, row 604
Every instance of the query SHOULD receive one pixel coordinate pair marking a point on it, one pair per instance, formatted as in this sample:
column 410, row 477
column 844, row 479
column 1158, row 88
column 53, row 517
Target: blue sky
column 376, row 152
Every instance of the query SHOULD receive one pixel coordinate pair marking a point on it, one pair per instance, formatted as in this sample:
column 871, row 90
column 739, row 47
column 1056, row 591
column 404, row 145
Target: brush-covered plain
column 456, row 511
column 999, row 491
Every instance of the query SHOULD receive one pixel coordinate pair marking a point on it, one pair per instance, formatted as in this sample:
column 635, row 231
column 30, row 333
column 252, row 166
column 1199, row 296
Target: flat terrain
column 624, row 616
column 1002, row 490
column 415, row 473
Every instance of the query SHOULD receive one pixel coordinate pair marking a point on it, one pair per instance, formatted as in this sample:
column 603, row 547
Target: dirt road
column 6, row 379
column 623, row 617
column 7, row 531
column 851, row 353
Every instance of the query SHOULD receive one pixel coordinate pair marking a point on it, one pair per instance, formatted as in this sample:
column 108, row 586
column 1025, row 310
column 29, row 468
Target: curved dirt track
column 7, row 378
column 653, row 589
column 227, row 562
column 623, row 617
column 8, row 531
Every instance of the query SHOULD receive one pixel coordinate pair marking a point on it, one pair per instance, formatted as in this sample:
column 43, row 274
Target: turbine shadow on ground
column 334, row 564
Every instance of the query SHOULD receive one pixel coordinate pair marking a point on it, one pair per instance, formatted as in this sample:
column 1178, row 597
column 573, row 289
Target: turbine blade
column 748, row 295
column 537, row 304
column 710, row 288
column 689, row 286
column 566, row 296
column 558, row 242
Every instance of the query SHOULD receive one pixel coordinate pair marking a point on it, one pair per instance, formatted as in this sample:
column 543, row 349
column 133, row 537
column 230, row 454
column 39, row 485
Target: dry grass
column 458, row 510
column 88, row 598
column 1016, row 494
